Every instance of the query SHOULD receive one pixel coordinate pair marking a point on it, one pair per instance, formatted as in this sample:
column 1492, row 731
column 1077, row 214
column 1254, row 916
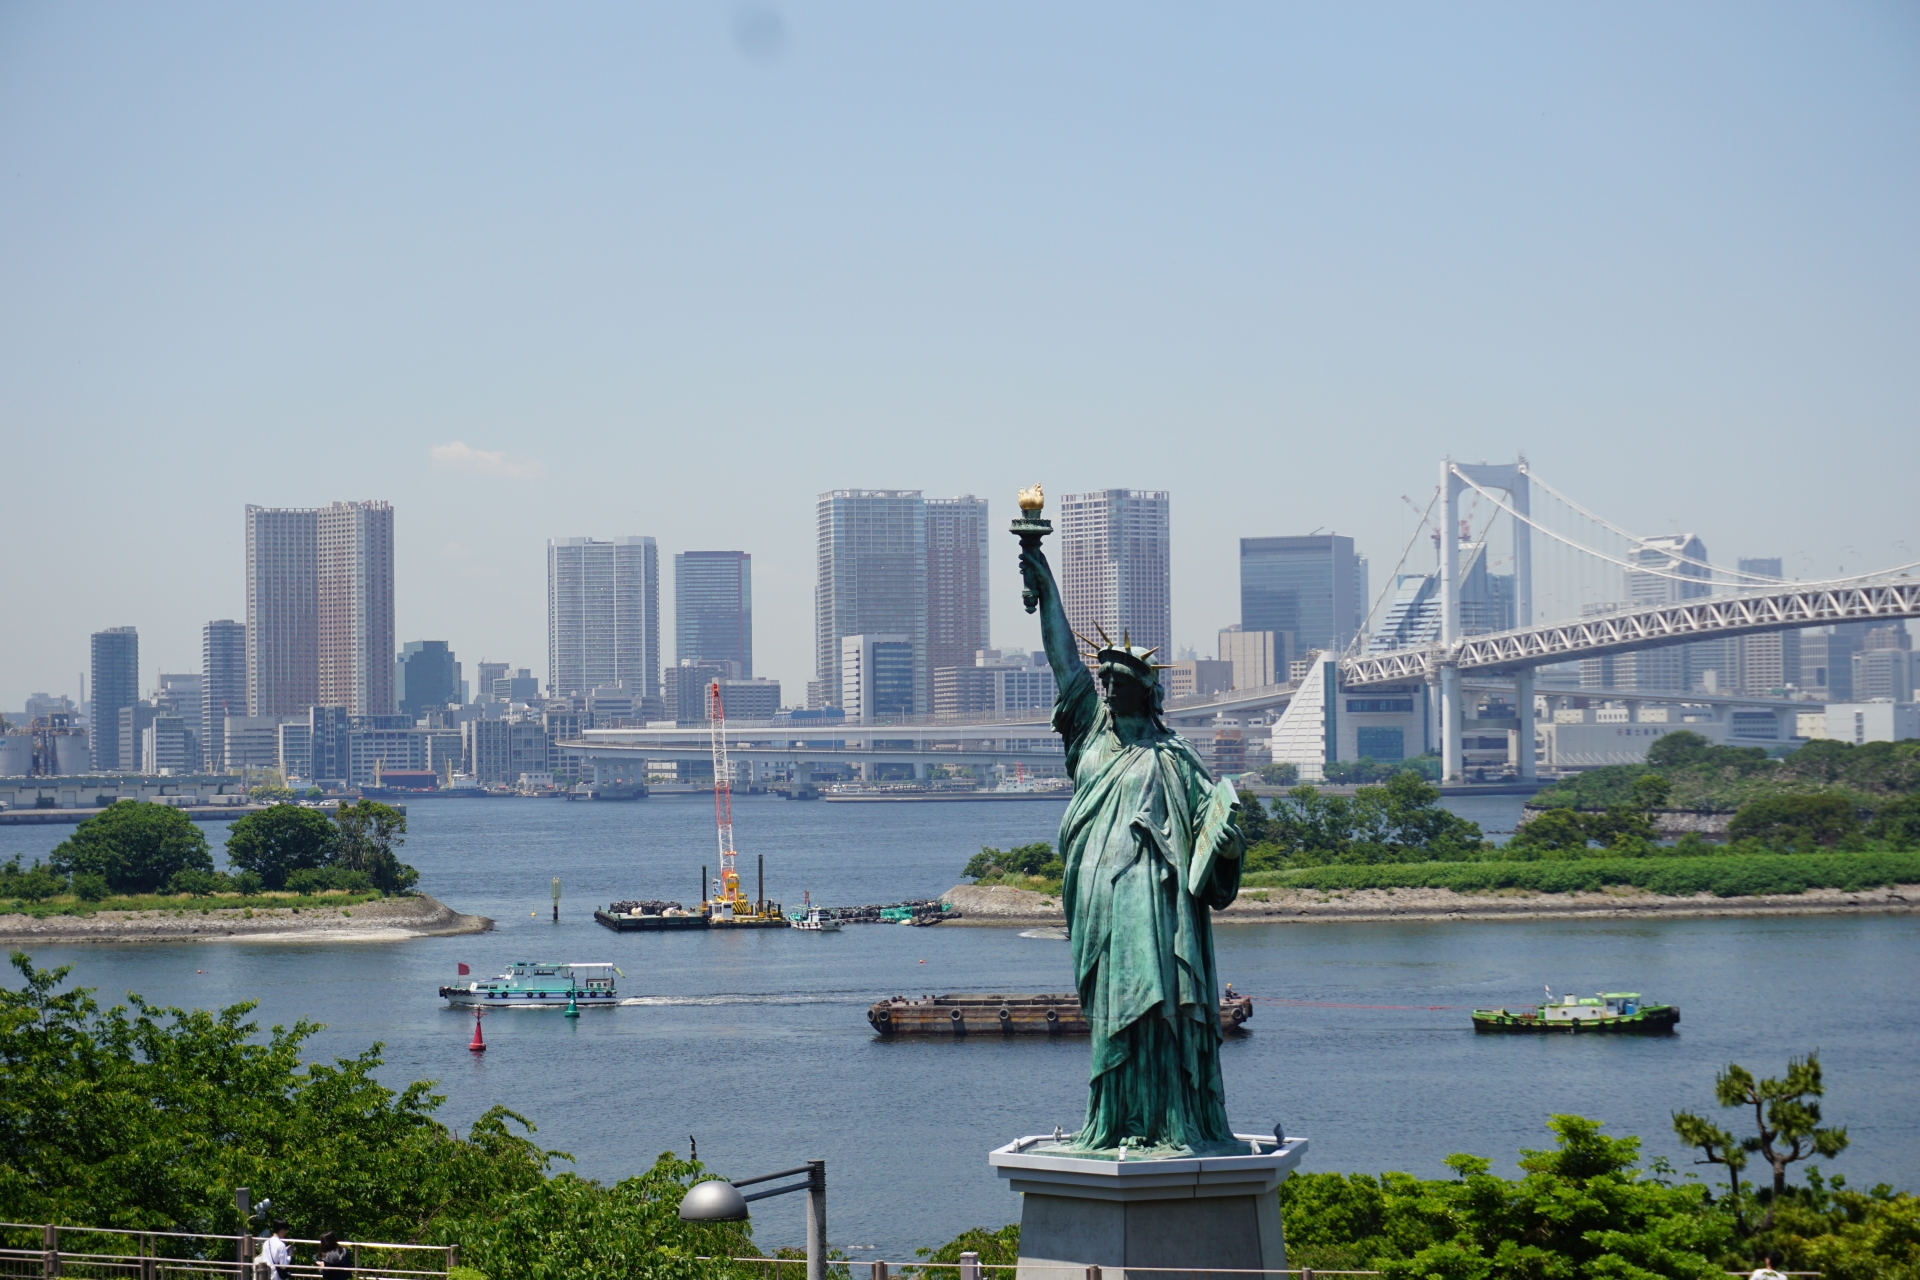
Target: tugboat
column 529, row 984
column 811, row 921
column 1619, row 1012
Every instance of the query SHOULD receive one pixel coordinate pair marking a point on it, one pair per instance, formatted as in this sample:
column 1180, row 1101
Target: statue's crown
column 1125, row 655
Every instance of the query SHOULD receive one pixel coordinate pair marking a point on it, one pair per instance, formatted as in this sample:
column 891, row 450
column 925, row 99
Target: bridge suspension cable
column 1638, row 541
column 1647, row 569
column 1354, row 644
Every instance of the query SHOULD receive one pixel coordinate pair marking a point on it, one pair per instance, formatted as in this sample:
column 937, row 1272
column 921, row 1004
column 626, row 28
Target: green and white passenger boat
column 530, row 984
column 1618, row 1012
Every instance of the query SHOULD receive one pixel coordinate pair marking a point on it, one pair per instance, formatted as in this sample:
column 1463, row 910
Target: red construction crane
column 728, row 899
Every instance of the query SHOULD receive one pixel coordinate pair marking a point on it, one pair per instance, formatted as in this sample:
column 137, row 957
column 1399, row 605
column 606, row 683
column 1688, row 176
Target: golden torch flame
column 1031, row 499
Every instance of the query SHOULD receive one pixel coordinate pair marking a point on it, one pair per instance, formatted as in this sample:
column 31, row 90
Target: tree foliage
column 1704, row 776
column 1401, row 821
column 280, row 840
column 136, row 848
column 1027, row 861
column 147, row 1118
column 368, row 834
column 1798, row 821
column 1787, row 1128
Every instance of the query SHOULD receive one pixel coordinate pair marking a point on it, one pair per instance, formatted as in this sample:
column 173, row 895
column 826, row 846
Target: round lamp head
column 713, row 1201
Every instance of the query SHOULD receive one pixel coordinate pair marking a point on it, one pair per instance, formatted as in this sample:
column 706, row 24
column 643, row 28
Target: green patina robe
column 1150, row 847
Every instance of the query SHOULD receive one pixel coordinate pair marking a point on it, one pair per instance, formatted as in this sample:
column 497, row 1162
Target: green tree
column 280, row 840
column 136, row 848
column 1898, row 823
column 1802, row 821
column 1256, row 824
column 1678, row 750
column 1787, row 1128
column 996, row 1248
column 369, row 832
column 1036, row 859
column 1281, row 773
column 35, row 884
column 1555, row 833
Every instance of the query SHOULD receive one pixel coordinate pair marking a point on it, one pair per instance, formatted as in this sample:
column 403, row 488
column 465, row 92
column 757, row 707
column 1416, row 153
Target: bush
column 135, row 847
column 1898, row 823
column 197, row 883
column 1280, row 773
column 36, row 884
column 280, row 841
column 1797, row 821
column 1724, row 875
column 321, row 879
column 1037, row 859
column 90, row 886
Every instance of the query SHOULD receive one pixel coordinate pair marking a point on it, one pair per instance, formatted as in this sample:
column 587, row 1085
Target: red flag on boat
column 464, row 971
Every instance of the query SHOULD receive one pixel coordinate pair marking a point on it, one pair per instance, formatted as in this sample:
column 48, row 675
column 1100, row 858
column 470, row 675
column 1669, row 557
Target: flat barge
column 1608, row 1013
column 996, row 1013
column 649, row 917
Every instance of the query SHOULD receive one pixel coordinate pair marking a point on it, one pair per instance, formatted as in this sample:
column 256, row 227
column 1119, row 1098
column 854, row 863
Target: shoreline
column 999, row 905
column 388, row 920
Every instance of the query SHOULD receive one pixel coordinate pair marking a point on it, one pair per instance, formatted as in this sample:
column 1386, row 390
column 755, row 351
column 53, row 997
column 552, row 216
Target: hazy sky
column 673, row 269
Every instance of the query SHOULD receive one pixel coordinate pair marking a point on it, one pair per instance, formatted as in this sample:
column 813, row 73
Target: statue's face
column 1126, row 693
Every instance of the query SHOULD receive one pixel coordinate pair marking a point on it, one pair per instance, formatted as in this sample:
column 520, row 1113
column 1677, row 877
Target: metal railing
column 89, row 1253
column 971, row 1268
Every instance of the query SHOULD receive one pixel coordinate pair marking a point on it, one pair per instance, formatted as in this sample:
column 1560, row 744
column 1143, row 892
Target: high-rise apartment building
column 871, row 557
column 957, row 609
column 1312, row 586
column 283, row 611
column 355, row 584
column 713, row 609
column 223, row 686
column 320, row 609
column 426, row 677
column 1770, row 661
column 603, row 615
column 116, row 686
column 1115, row 571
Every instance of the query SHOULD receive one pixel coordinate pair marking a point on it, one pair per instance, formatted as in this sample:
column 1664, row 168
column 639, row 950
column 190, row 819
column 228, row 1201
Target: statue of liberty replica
column 1151, row 849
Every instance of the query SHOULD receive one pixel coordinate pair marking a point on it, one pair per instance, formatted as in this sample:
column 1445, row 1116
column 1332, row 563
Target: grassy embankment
column 181, row 904
column 1724, row 875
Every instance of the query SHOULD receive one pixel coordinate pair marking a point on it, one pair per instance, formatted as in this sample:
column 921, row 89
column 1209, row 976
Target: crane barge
column 728, row 906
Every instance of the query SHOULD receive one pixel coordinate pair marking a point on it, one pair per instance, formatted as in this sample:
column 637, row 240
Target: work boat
column 529, row 984
column 811, row 921
column 1619, row 1012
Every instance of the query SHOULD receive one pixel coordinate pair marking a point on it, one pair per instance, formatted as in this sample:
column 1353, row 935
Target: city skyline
column 912, row 252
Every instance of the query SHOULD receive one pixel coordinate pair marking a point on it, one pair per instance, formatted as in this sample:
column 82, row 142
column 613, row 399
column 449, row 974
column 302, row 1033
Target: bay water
column 756, row 1044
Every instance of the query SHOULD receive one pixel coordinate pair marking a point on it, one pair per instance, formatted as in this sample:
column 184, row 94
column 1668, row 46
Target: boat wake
column 823, row 997
column 1049, row 935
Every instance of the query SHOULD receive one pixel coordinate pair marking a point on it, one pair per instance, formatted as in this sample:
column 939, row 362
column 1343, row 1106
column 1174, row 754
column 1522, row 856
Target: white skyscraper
column 603, row 615
column 1115, row 547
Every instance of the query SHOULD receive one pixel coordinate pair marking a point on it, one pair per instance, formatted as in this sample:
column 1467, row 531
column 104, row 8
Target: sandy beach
column 388, row 920
column 1000, row 905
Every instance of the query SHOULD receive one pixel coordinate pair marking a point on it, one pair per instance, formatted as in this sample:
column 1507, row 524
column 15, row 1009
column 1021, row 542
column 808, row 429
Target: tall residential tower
column 223, row 687
column 116, row 686
column 713, row 610
column 871, row 557
column 957, row 613
column 603, row 615
column 320, row 609
column 1115, row 548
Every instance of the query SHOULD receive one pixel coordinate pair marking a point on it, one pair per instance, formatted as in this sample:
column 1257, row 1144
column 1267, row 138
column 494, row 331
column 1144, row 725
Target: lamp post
column 717, row 1201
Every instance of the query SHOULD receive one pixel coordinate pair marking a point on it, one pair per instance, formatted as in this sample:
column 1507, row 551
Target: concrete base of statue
column 1200, row 1213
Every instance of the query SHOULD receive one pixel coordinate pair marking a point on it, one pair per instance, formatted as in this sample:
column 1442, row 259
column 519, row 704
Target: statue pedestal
column 1197, row 1212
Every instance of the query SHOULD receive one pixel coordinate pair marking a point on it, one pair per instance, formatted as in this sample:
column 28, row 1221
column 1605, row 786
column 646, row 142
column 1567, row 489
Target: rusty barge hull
column 1005, row 1014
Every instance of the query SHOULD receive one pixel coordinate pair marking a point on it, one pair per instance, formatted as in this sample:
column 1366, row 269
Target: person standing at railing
column 336, row 1260
column 275, row 1258
column 1765, row 1270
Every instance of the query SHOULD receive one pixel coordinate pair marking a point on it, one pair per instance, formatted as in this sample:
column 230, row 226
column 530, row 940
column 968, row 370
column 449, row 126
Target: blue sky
column 675, row 269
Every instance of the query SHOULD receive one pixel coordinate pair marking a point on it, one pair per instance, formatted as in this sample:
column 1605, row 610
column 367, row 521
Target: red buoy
column 477, row 1045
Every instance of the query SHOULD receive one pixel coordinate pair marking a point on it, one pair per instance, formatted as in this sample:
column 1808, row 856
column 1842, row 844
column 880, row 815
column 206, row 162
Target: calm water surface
column 758, row 1045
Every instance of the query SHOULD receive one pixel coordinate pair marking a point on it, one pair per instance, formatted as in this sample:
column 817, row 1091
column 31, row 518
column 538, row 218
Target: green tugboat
column 1616, row 1012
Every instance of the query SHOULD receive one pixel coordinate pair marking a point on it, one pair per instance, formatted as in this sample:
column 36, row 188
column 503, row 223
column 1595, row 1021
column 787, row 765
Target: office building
column 686, row 687
column 283, row 611
column 489, row 672
column 871, row 580
column 1257, row 657
column 320, row 608
column 519, row 686
column 877, row 677
column 294, row 740
column 354, row 547
column 1312, row 586
column 116, row 686
column 1196, row 677
column 996, row 684
column 1883, row 675
column 957, row 609
column 1768, row 663
column 165, row 745
column 251, row 742
column 1826, row 660
column 1862, row 722
column 1672, row 568
column 134, row 721
column 329, row 759
column 426, row 677
column 223, row 686
column 182, row 693
column 603, row 614
column 750, row 699
column 713, row 609
column 498, row 752
column 1114, row 570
